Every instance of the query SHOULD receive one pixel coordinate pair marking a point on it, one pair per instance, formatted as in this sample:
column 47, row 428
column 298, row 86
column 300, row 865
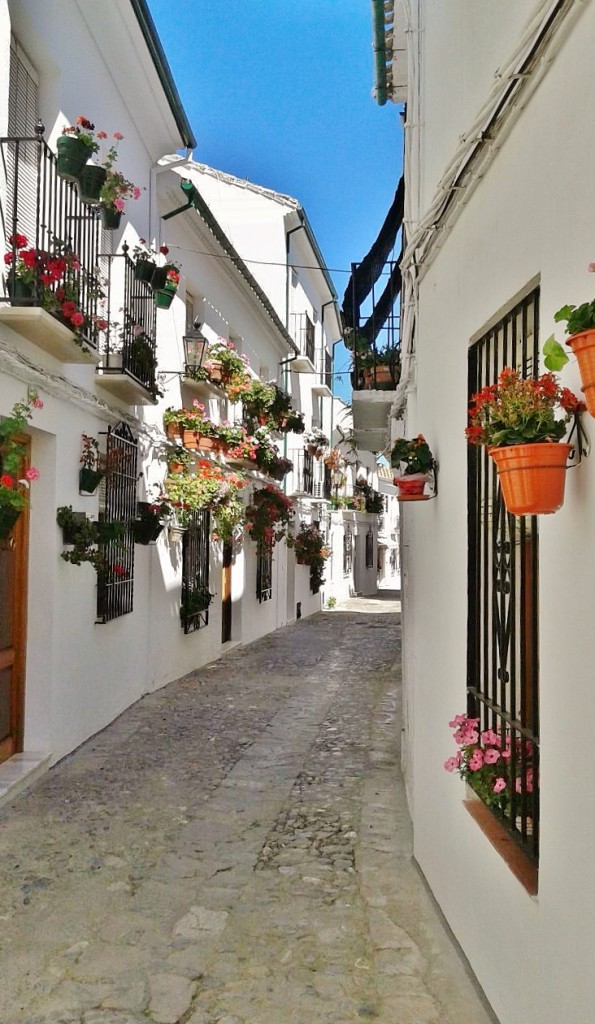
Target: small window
column 115, row 584
column 264, row 573
column 196, row 597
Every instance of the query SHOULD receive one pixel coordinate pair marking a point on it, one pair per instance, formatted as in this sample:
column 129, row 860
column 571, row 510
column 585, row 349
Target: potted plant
column 14, row 478
column 416, row 457
column 195, row 601
column 580, row 328
column 92, row 470
column 257, row 399
column 93, row 177
column 193, row 426
column 145, row 260
column 491, row 763
column 165, row 283
column 516, row 420
column 115, row 190
column 74, row 147
column 150, row 520
column 268, row 515
column 311, row 550
column 210, row 487
column 85, row 535
column 316, row 442
column 225, row 365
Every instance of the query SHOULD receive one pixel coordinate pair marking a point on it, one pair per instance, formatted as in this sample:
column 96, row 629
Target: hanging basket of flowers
column 268, row 515
column 516, row 420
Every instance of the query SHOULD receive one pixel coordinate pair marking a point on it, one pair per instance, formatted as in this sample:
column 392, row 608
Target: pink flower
column 136, row 192
column 101, row 135
column 119, row 205
column 77, row 319
column 591, row 268
column 490, row 737
column 506, row 754
column 452, row 764
column 118, row 136
column 476, row 761
column 37, row 402
column 32, row 473
column 499, row 785
column 491, row 756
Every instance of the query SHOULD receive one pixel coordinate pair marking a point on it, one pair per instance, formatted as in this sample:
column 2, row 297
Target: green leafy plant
column 520, row 411
column 373, row 501
column 194, row 601
column 414, row 454
column 210, row 487
column 86, row 535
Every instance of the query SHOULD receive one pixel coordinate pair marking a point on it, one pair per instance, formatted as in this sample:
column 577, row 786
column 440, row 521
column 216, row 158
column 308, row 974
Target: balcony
column 303, row 335
column 128, row 360
column 324, row 385
column 50, row 290
column 373, row 339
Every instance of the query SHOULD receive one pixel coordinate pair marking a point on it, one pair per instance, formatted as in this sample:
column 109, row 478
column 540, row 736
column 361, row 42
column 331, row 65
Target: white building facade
column 499, row 231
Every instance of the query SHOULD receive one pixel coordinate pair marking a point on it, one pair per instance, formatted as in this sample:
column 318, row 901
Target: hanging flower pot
column 144, row 270
column 411, row 486
column 532, row 476
column 145, row 531
column 73, row 154
column 583, row 347
column 215, row 369
column 176, row 532
column 90, row 181
column 163, row 298
column 89, row 480
column 8, row 519
column 110, row 217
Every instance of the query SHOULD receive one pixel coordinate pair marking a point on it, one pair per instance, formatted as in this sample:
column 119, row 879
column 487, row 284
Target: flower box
column 199, row 442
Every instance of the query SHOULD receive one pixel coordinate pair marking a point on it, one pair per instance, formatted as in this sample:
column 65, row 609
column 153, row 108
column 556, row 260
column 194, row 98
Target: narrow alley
column 234, row 849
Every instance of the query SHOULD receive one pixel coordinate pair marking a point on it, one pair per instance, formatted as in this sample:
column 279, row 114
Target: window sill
column 520, row 865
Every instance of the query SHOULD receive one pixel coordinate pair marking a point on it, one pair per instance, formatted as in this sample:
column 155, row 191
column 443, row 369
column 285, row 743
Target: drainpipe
column 285, row 362
column 379, row 46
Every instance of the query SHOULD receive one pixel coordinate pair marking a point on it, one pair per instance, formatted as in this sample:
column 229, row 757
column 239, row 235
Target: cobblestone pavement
column 234, row 849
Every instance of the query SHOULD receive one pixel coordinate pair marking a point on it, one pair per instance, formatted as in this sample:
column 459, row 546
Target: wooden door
column 13, row 606
column 226, row 605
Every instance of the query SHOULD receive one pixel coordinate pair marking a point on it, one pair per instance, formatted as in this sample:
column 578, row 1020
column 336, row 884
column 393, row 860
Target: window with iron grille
column 194, row 606
column 502, row 657
column 347, row 551
column 115, row 584
column 369, row 549
column 264, row 573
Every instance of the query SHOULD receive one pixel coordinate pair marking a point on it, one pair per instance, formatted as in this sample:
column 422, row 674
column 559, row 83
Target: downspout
column 285, row 362
column 379, row 47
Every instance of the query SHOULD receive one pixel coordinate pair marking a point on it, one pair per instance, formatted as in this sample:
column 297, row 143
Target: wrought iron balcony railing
column 51, row 238
column 372, row 334
column 128, row 342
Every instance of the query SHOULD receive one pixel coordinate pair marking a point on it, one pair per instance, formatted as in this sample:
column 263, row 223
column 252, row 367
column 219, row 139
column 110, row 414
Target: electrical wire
column 265, row 263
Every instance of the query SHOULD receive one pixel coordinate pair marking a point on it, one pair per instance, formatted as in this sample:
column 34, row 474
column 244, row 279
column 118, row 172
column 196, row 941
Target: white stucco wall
column 531, row 215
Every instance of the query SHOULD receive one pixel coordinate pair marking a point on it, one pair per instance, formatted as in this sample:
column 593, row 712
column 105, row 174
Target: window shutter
column 23, row 114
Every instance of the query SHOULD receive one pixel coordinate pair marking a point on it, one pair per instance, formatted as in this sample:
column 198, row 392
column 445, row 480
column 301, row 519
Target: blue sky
column 279, row 92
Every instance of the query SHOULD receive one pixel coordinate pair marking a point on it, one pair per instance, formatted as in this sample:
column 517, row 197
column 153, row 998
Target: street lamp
column 195, row 347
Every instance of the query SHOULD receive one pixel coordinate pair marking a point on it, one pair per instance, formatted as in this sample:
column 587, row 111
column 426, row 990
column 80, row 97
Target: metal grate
column 195, row 572
column 303, row 334
column 115, row 584
column 347, row 551
column 264, row 573
column 502, row 657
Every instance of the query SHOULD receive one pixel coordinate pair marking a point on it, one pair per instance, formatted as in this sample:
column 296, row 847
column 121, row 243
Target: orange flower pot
column 532, row 476
column 583, row 347
column 192, row 439
column 411, row 486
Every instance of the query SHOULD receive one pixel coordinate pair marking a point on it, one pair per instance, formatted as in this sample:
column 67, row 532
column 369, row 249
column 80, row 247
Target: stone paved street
column 235, row 849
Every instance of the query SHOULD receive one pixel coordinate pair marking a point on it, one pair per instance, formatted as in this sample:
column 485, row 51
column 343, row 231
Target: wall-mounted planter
column 72, row 157
column 411, row 487
column 583, row 347
column 144, row 270
column 89, row 480
column 110, row 217
column 199, row 442
column 532, row 476
column 8, row 520
column 90, row 181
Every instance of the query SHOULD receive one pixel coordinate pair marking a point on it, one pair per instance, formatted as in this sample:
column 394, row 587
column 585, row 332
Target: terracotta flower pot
column 383, row 376
column 193, row 439
column 215, row 371
column 532, row 476
column 411, row 486
column 583, row 347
